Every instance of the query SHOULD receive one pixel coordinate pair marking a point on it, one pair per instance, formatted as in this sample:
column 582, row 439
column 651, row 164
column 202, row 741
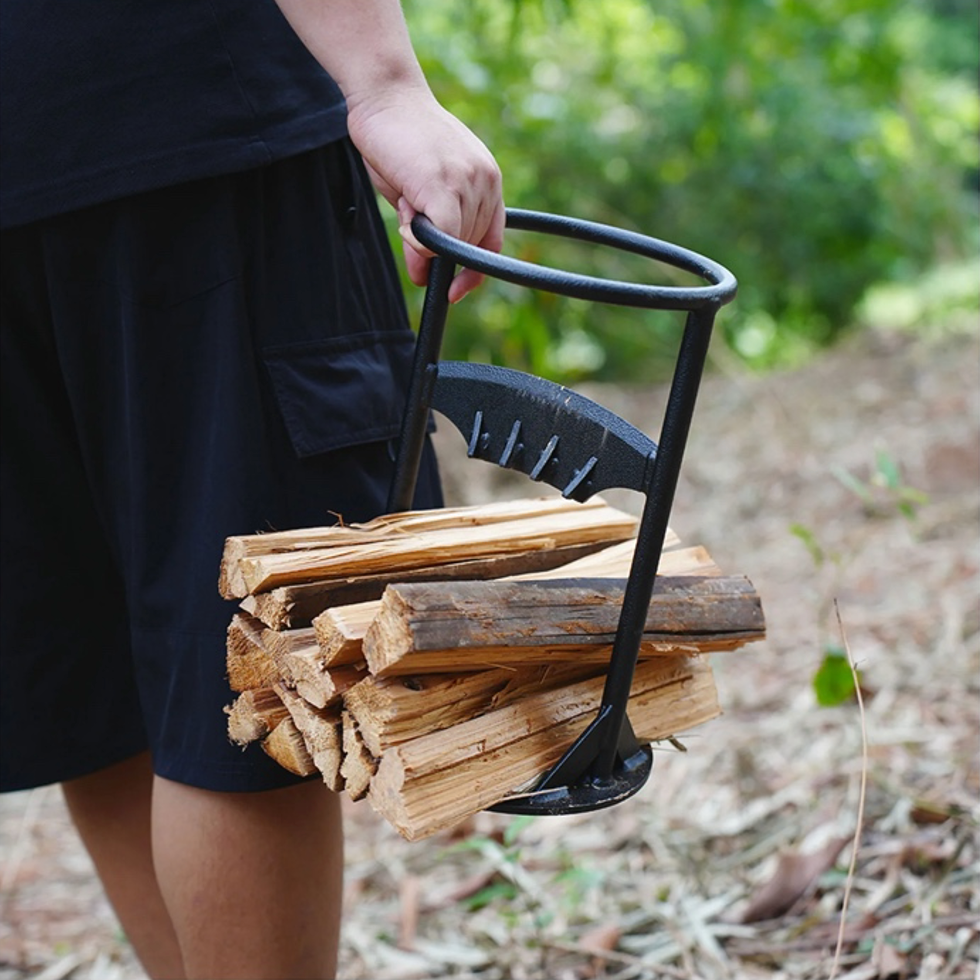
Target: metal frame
column 559, row 437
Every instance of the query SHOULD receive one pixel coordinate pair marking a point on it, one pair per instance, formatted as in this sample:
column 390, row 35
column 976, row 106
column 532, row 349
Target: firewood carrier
column 559, row 437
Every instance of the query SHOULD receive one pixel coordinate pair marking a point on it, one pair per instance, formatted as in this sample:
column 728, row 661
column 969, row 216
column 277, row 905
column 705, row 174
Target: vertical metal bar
column 432, row 325
column 652, row 532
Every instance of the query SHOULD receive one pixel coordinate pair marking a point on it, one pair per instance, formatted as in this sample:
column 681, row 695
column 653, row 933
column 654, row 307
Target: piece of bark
column 294, row 606
column 434, row 782
column 391, row 710
column 286, row 745
column 359, row 765
column 322, row 731
column 421, row 626
column 392, row 547
column 249, row 664
column 253, row 714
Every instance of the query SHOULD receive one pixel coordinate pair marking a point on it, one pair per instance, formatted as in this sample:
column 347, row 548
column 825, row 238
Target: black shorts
column 223, row 357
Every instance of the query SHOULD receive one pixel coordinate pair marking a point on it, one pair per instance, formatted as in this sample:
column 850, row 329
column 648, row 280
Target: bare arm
column 421, row 158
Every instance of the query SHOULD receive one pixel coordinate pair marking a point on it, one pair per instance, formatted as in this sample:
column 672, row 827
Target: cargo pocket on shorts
column 341, row 392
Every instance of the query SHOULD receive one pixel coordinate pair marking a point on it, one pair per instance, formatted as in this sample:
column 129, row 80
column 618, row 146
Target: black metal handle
column 721, row 288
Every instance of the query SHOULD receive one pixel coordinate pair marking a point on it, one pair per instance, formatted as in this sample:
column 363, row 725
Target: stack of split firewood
column 437, row 662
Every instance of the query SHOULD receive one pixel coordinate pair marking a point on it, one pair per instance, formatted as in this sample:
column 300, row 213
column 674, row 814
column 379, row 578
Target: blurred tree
column 815, row 149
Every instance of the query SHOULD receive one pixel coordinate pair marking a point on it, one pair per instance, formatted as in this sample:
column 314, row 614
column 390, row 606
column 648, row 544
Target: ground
column 849, row 493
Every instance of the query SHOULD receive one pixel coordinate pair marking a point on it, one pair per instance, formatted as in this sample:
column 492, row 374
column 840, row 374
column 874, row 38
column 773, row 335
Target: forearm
column 363, row 45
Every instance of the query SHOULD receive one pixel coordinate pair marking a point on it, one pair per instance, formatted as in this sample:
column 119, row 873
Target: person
column 203, row 334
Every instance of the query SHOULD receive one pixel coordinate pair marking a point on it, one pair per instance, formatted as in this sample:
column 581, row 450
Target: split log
column 249, row 664
column 614, row 561
column 286, row 745
column 432, row 783
column 294, row 606
column 359, row 765
column 319, row 685
column 322, row 733
column 392, row 710
column 416, row 539
column 340, row 632
column 467, row 625
column 254, row 714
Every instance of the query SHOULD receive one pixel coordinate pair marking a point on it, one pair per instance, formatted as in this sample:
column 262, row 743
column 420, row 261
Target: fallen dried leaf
column 794, row 874
column 601, row 939
column 889, row 962
column 925, row 812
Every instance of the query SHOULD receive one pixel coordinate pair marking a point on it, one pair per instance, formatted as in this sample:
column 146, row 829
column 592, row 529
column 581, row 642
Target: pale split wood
column 392, row 710
column 328, row 688
column 513, row 722
column 253, row 714
column 239, row 548
column 320, row 685
column 282, row 643
column 248, row 663
column 426, row 548
column 340, row 631
column 322, row 731
column 434, row 782
column 613, row 561
column 286, row 746
column 359, row 765
column 291, row 606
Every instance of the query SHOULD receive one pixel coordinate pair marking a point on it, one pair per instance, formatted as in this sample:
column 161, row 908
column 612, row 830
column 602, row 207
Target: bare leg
column 111, row 809
column 253, row 881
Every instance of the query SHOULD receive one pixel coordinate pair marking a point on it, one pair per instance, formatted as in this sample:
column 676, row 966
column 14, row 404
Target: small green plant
column 885, row 492
column 537, row 898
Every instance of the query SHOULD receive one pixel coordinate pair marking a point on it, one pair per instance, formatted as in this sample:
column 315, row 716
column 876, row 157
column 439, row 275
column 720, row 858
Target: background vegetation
column 826, row 153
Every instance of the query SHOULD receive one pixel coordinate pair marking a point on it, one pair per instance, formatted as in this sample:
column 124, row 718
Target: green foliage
column 815, row 149
column 833, row 683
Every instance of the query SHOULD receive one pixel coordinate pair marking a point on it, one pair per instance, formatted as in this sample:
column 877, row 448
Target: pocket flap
column 341, row 392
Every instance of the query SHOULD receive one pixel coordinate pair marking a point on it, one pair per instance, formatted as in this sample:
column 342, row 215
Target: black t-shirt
column 107, row 98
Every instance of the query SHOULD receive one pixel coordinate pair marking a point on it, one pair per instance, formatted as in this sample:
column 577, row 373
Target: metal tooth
column 473, row 447
column 512, row 443
column 579, row 476
column 544, row 458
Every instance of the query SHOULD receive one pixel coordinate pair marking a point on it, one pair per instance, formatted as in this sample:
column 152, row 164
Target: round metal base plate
column 586, row 796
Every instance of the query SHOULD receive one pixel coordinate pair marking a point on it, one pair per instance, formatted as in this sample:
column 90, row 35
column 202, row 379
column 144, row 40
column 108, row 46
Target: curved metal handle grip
column 721, row 288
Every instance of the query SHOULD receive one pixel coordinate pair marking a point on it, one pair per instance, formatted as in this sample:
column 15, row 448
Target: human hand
column 423, row 160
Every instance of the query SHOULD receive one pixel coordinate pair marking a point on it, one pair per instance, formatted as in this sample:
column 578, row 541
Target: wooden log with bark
column 472, row 625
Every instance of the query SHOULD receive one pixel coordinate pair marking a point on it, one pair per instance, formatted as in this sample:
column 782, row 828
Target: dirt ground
column 733, row 861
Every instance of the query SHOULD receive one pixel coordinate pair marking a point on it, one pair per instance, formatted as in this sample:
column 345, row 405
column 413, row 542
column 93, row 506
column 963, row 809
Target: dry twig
column 861, row 795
